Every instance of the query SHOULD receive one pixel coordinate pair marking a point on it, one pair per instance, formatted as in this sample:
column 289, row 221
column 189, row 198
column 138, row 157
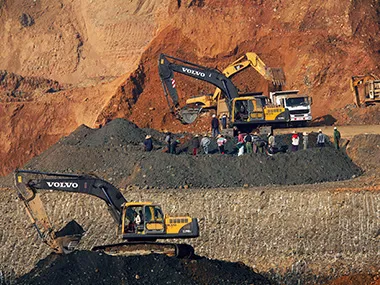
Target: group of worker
column 321, row 139
column 246, row 142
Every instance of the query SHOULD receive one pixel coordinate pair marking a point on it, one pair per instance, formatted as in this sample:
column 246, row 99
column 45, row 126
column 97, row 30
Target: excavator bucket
column 68, row 238
column 188, row 114
column 277, row 75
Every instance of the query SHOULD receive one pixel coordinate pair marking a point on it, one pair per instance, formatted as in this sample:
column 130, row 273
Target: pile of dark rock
column 115, row 152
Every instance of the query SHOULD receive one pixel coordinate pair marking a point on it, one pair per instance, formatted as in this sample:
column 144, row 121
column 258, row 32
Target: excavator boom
column 167, row 69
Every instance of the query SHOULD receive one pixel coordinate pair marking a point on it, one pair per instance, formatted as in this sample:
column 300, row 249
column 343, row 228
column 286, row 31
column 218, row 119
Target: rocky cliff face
column 108, row 51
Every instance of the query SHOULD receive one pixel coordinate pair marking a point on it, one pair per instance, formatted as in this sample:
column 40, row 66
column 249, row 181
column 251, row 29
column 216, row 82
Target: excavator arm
column 276, row 75
column 168, row 65
column 250, row 59
column 28, row 185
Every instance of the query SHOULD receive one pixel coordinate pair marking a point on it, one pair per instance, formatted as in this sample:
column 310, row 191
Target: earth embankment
column 115, row 153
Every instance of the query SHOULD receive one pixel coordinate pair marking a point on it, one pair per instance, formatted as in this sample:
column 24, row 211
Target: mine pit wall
column 310, row 228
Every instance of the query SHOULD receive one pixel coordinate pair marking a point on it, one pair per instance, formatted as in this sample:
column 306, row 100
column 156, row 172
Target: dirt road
column 346, row 131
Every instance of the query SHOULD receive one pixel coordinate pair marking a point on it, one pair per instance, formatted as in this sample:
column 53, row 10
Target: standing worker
column 271, row 140
column 255, row 139
column 320, row 139
column 223, row 119
column 205, row 142
column 221, row 141
column 336, row 138
column 248, row 142
column 195, row 143
column 305, row 140
column 148, row 143
column 260, row 144
column 295, row 141
column 173, row 147
column 214, row 126
column 168, row 140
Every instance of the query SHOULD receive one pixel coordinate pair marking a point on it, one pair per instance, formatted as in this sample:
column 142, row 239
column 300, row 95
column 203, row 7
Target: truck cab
column 299, row 105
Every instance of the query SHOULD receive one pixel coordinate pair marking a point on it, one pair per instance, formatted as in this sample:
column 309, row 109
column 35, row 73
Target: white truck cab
column 299, row 105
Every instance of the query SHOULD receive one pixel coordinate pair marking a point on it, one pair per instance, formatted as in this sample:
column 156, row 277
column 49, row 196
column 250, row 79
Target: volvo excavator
column 140, row 223
column 246, row 111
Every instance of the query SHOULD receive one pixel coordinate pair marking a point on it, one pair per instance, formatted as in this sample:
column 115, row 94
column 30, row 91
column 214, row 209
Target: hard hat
column 196, row 136
column 305, row 133
column 148, row 136
column 213, row 115
column 294, row 132
column 319, row 131
column 269, row 134
column 334, row 128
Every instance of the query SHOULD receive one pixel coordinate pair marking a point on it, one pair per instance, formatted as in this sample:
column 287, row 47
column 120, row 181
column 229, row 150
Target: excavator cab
column 142, row 219
column 247, row 109
column 146, row 221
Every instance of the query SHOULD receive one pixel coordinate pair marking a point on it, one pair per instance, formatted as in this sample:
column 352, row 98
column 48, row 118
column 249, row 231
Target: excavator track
column 145, row 248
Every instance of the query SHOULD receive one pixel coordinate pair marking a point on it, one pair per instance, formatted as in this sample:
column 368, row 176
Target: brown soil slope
column 319, row 44
column 75, row 41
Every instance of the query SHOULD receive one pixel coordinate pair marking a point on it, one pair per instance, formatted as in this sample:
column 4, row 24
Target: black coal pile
column 86, row 267
column 115, row 153
column 118, row 132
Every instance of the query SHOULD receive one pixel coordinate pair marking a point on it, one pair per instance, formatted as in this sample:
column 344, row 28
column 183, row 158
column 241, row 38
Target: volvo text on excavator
column 246, row 111
column 140, row 223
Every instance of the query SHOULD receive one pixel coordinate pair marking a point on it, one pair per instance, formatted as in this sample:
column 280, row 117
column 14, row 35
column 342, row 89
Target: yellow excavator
column 245, row 111
column 250, row 59
column 371, row 89
column 140, row 223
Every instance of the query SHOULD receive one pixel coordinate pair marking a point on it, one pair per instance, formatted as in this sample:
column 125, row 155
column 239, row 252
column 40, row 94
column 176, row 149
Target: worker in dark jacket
column 336, row 138
column 168, row 140
column 173, row 147
column 148, row 143
column 196, row 144
column 223, row 120
column 214, row 126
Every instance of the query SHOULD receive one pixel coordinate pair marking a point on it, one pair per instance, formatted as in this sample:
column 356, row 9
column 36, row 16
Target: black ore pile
column 115, row 153
column 86, row 267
